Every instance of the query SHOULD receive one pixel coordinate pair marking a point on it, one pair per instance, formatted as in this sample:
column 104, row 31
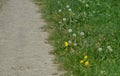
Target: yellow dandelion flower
column 66, row 44
column 85, row 57
column 86, row 63
column 81, row 61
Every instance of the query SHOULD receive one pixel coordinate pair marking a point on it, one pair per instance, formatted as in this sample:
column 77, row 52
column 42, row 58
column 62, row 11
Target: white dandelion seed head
column 70, row 42
column 102, row 71
column 70, row 30
column 85, row 41
column 64, row 19
column 94, row 12
column 82, row 33
column 69, row 9
column 85, row 13
column 73, row 13
column 67, row 6
column 71, row 74
column 87, row 5
column 59, row 10
column 58, row 2
column 109, row 48
column 60, row 22
column 99, row 49
column 74, row 35
column 83, row 1
column 75, row 44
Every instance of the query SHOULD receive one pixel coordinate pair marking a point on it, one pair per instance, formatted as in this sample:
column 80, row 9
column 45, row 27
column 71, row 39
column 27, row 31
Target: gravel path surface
column 23, row 51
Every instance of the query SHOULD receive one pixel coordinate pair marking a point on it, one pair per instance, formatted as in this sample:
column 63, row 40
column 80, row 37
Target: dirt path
column 23, row 51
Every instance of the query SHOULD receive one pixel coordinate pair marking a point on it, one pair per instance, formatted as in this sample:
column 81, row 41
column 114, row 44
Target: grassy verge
column 2, row 2
column 86, row 36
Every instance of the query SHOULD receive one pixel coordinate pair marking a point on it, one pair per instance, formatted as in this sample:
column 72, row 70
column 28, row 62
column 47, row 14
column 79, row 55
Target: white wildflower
column 99, row 49
column 70, row 30
column 109, row 48
column 82, row 33
column 74, row 35
column 64, row 19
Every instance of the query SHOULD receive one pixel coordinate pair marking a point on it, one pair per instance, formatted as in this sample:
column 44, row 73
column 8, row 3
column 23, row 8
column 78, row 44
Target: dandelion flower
column 86, row 63
column 70, row 30
column 64, row 19
column 81, row 61
column 99, row 49
column 109, row 48
column 66, row 44
column 85, row 57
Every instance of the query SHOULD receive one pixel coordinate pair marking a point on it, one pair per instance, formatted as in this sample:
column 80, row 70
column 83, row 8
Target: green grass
column 95, row 26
